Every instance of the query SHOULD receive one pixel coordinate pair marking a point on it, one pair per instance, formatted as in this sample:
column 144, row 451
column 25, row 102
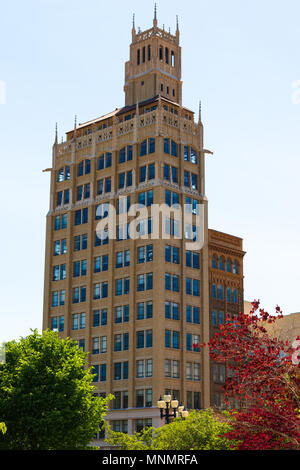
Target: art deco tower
column 140, row 307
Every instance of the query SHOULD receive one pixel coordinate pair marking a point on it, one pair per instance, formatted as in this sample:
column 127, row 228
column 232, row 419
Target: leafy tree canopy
column 199, row 431
column 46, row 395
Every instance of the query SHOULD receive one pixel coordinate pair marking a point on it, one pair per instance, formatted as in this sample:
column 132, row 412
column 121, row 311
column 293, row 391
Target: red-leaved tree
column 265, row 378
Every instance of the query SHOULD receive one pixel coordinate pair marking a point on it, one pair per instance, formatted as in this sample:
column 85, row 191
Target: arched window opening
column 214, row 262
column 221, row 263
column 167, row 55
column 228, row 265
column 161, row 53
column 172, row 59
column 235, row 267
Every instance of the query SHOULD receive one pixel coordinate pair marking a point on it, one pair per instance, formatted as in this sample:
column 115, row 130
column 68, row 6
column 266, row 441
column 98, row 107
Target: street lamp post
column 171, row 408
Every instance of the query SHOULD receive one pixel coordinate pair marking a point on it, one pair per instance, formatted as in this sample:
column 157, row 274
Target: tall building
column 140, row 306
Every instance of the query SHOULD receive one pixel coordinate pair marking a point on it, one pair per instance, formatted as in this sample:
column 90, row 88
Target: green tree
column 2, row 428
column 201, row 430
column 46, row 395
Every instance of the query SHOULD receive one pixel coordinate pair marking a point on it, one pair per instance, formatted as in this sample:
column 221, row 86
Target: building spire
column 55, row 133
column 75, row 122
column 177, row 23
column 155, row 15
column 199, row 118
column 133, row 27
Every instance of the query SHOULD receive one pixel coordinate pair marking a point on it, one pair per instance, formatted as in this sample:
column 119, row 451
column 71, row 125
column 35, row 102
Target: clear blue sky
column 240, row 57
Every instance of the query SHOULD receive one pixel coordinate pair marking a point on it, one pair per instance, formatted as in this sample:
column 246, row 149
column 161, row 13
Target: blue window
column 189, row 342
column 141, row 283
column 235, row 267
column 175, row 340
column 214, row 291
column 175, row 199
column 193, row 156
column 108, row 158
column 122, row 155
column 102, row 372
column 214, row 262
column 118, row 343
column 54, row 323
column 196, row 287
column 121, row 180
column 175, row 281
column 95, row 372
column 188, row 258
column 100, row 165
column 143, row 148
column 166, row 172
column 228, row 294
column 168, row 253
column 234, row 296
column 186, row 179
column 220, row 292
column 167, row 338
column 188, row 286
column 126, row 313
column 125, row 370
column 167, row 146
column 55, row 299
column 126, row 285
column 214, row 318
column 151, row 145
column 228, row 265
column 149, row 281
column 174, row 175
column 148, row 338
column 189, row 313
column 140, row 339
column 173, row 148
column 186, row 153
column 151, row 171
column 96, row 318
column 143, row 172
column 168, row 281
column 117, row 371
column 196, row 260
column 168, row 198
column 149, row 198
column 196, row 315
column 141, row 311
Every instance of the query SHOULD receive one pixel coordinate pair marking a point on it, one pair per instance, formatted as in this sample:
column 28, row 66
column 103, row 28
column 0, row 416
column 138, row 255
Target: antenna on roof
column 155, row 15
column 199, row 119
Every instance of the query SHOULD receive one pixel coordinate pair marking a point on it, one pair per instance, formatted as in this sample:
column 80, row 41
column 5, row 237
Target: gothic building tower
column 139, row 306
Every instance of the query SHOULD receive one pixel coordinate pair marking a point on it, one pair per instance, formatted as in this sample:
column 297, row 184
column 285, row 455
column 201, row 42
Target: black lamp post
column 171, row 408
